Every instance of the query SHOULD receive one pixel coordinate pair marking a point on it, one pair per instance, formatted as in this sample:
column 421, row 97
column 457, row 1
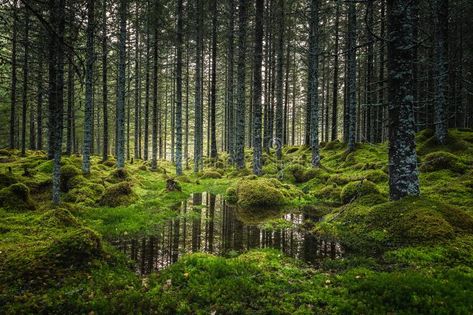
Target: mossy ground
column 411, row 256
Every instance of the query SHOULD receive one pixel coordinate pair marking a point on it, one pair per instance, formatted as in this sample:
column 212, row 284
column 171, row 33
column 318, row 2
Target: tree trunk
column 104, row 81
column 351, row 93
column 279, row 81
column 121, row 86
column 257, row 63
column 240, row 110
column 25, row 85
column 154, row 160
column 198, row 129
column 403, row 172
column 70, row 101
column 147, row 83
column 179, row 90
column 213, row 136
column 39, row 106
column 89, row 77
column 13, row 76
column 312, row 88
column 334, row 134
column 440, row 69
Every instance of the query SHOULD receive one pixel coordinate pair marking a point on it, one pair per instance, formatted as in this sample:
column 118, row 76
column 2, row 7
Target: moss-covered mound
column 7, row 180
column 16, row 197
column 442, row 160
column 118, row 195
column 67, row 173
column 417, row 220
column 118, row 175
column 353, row 190
column 297, row 173
column 211, row 173
column 254, row 216
column 264, row 192
column 57, row 218
column 458, row 141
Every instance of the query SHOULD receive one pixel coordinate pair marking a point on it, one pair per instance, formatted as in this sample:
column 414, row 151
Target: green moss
column 16, row 197
column 118, row 195
column 68, row 172
column 329, row 193
column 118, row 175
column 7, row 180
column 376, row 176
column 339, row 179
column 455, row 142
column 257, row 193
column 57, row 218
column 442, row 160
column 270, row 169
column 211, row 174
column 254, row 216
column 353, row 190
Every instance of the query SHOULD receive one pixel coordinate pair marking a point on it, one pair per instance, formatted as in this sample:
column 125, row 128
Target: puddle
column 206, row 223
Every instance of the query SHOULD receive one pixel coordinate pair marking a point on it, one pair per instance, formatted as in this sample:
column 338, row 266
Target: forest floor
column 403, row 257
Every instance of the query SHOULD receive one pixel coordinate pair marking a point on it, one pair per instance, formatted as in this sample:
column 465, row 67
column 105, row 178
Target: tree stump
column 172, row 185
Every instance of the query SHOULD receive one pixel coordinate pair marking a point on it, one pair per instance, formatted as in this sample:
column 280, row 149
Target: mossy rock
column 68, row 171
column 376, row 176
column 109, row 163
column 86, row 194
column 329, row 193
column 339, row 179
column 77, row 248
column 333, row 145
column 16, row 197
column 270, row 169
column 183, row 179
column 419, row 220
column 211, row 174
column 76, row 182
column 118, row 175
column 120, row 194
column 442, row 160
column 454, row 143
column 263, row 192
column 297, row 173
column 7, row 180
column 58, row 218
column 254, row 216
column 5, row 152
column 356, row 189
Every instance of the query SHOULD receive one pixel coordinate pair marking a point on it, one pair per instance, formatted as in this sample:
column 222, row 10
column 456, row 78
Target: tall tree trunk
column 89, row 77
column 121, row 85
column 257, row 63
column 70, row 101
column 240, row 110
column 147, row 84
column 213, row 136
column 198, row 129
column 312, row 88
column 179, row 89
column 334, row 134
column 279, row 81
column 403, row 172
column 104, row 81
column 351, row 93
column 440, row 69
column 137, row 72
column 230, row 81
column 370, row 75
column 25, row 85
column 154, row 136
column 56, row 89
column 13, row 75
column 40, row 93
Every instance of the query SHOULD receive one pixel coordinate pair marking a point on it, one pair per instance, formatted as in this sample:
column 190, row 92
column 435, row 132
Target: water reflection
column 206, row 223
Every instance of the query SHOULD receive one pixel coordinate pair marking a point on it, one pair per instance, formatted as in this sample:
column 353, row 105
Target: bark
column 230, row 82
column 279, row 81
column 179, row 90
column 370, row 74
column 89, row 77
column 440, row 69
column 351, row 93
column 154, row 136
column 104, row 82
column 257, row 63
column 403, row 172
column 121, row 85
column 312, row 95
column 334, row 134
column 70, row 105
column 240, row 110
column 13, row 76
column 137, row 73
column 198, row 129
column 25, row 85
column 39, row 107
column 147, row 84
column 213, row 136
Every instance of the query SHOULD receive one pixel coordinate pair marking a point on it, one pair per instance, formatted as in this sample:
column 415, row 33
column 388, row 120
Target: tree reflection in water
column 206, row 223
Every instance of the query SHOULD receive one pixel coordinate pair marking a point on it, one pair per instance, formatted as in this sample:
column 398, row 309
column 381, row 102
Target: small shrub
column 357, row 189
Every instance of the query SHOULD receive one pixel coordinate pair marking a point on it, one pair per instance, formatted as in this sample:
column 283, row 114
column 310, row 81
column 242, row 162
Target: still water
column 206, row 223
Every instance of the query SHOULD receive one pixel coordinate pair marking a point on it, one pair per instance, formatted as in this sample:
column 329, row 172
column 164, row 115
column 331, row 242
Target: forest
column 236, row 157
